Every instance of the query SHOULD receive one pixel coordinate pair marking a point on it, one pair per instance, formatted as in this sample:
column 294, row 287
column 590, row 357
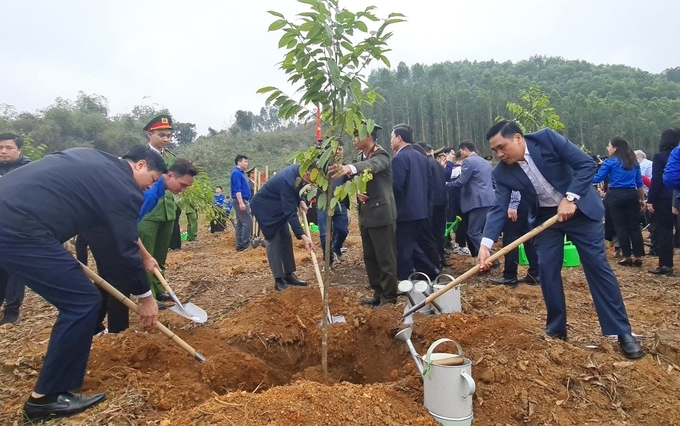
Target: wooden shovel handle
column 161, row 278
column 474, row 270
column 454, row 360
column 99, row 281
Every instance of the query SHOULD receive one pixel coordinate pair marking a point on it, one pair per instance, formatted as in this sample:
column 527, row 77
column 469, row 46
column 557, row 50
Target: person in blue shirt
column 240, row 191
column 625, row 198
column 218, row 225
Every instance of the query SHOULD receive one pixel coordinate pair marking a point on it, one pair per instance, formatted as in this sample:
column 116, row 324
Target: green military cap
column 159, row 122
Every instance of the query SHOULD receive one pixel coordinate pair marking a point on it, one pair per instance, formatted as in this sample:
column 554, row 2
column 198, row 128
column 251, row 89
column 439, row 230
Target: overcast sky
column 203, row 60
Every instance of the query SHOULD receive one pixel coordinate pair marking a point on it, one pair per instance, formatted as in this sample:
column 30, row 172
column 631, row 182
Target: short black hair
column 506, row 128
column 239, row 158
column 467, row 145
column 669, row 139
column 154, row 161
column 18, row 140
column 404, row 131
column 420, row 149
column 218, row 187
column 183, row 167
column 425, row 146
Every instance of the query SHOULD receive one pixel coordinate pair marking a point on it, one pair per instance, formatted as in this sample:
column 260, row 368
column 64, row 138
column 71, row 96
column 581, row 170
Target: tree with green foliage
column 534, row 112
column 328, row 49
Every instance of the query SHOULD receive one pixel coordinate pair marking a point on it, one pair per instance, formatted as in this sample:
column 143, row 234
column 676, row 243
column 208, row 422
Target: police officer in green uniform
column 192, row 223
column 155, row 230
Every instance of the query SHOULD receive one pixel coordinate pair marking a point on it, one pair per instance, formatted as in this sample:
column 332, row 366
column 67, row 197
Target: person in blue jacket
column 554, row 176
column 275, row 207
column 73, row 191
column 625, row 198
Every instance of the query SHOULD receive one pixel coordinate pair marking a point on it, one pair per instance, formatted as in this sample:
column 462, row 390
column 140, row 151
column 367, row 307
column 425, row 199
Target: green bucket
column 571, row 257
column 522, row 255
column 451, row 226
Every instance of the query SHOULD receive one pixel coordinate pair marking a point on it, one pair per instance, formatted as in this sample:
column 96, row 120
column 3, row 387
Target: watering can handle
column 471, row 383
column 420, row 273
column 436, row 280
column 437, row 343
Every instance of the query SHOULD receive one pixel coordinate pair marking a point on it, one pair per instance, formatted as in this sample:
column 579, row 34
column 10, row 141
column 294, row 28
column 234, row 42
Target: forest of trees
column 445, row 103
column 450, row 102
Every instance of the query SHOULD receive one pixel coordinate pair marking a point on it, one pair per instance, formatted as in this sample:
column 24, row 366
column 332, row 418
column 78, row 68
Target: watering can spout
column 405, row 336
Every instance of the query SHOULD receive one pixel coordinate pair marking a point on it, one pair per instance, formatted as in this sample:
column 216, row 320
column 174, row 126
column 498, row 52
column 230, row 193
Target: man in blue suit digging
column 554, row 176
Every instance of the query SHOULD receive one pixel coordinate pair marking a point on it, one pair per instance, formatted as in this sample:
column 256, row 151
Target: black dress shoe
column 373, row 301
column 661, row 270
column 62, row 405
column 161, row 305
column 10, row 318
column 630, row 347
column 562, row 335
column 530, row 280
column 637, row 262
column 626, row 262
column 280, row 284
column 510, row 282
column 293, row 280
column 164, row 297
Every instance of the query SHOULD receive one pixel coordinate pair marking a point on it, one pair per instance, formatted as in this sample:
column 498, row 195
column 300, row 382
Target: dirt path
column 263, row 352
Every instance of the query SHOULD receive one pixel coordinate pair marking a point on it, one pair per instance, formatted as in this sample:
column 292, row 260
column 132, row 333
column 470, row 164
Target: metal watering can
column 416, row 291
column 447, row 381
column 450, row 301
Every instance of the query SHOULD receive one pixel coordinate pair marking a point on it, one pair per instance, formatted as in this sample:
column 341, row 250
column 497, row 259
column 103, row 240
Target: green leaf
column 321, row 201
column 266, row 89
column 361, row 26
column 306, row 26
column 277, row 25
column 277, row 14
column 324, row 158
column 334, row 202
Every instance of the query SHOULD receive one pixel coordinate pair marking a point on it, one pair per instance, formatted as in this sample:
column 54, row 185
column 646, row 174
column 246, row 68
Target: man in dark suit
column 72, row 191
column 439, row 201
column 476, row 193
column 377, row 217
column 275, row 207
column 554, row 176
column 410, row 184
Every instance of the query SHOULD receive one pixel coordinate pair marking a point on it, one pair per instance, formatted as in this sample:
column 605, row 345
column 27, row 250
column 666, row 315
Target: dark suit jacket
column 410, row 182
column 379, row 209
column 475, row 183
column 564, row 165
column 277, row 202
column 438, row 183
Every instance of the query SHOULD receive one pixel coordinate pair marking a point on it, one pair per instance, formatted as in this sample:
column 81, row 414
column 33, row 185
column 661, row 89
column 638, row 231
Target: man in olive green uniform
column 155, row 229
column 192, row 223
column 377, row 218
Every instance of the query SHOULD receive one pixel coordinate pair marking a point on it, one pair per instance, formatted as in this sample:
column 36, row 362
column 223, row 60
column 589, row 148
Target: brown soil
column 263, row 351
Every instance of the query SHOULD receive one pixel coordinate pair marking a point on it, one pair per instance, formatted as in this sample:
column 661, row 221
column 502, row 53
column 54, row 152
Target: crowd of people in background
column 421, row 207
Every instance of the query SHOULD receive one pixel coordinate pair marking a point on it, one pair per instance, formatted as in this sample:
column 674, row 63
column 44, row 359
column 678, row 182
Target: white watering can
column 450, row 301
column 447, row 381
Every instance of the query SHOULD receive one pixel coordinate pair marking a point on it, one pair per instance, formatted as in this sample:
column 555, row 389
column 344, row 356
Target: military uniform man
column 377, row 218
column 155, row 230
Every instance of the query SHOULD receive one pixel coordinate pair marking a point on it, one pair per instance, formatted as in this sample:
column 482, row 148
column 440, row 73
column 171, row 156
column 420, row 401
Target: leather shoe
column 530, row 280
column 293, row 280
column 10, row 318
column 661, row 270
column 164, row 297
column 562, row 335
column 161, row 305
column 66, row 404
column 510, row 282
column 630, row 347
column 280, row 284
column 373, row 301
column 626, row 262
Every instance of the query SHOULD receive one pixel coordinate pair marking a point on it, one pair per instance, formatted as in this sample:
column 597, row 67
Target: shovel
column 474, row 270
column 331, row 319
column 188, row 310
column 99, row 281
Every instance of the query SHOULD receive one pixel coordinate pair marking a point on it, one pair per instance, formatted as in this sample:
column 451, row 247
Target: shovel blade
column 190, row 311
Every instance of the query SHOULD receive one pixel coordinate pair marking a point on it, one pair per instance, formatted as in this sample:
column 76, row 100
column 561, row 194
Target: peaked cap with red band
column 160, row 122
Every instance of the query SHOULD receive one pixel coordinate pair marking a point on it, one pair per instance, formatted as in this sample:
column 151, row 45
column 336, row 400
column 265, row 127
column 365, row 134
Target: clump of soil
column 234, row 370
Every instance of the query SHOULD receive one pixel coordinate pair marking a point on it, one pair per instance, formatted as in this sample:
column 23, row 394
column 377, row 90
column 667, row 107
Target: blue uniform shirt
column 151, row 197
column 239, row 183
column 618, row 176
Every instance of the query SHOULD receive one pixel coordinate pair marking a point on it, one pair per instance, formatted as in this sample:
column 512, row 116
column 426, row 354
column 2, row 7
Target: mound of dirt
column 309, row 403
